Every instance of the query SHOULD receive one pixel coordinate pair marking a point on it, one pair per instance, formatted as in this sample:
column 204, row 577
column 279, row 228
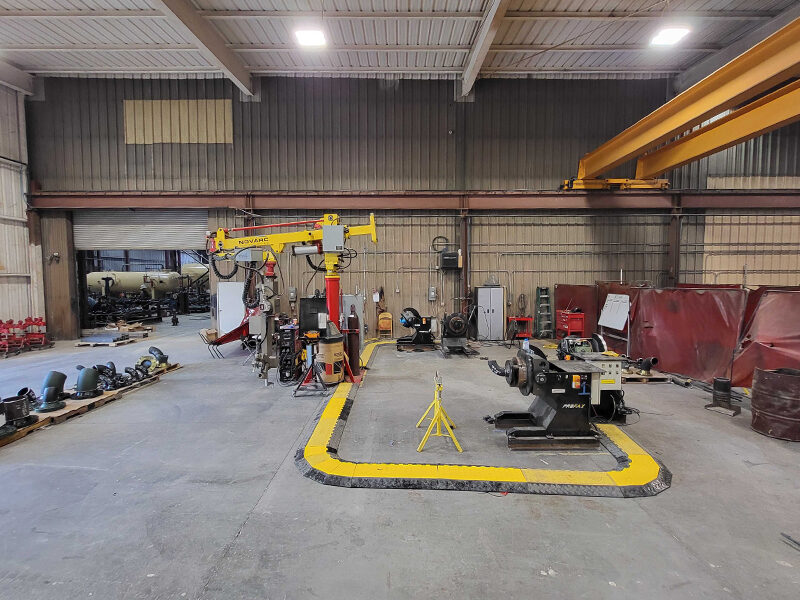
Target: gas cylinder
column 353, row 341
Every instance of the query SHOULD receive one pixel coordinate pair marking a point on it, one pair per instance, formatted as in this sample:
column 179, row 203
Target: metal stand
column 439, row 418
column 311, row 382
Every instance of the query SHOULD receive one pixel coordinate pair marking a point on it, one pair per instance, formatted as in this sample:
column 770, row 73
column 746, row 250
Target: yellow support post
column 757, row 118
column 439, row 418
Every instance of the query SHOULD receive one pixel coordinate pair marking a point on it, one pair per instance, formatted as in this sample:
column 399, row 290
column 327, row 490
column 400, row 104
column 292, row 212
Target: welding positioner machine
column 563, row 394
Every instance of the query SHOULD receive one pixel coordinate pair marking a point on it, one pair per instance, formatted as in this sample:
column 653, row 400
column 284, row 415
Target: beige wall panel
column 178, row 121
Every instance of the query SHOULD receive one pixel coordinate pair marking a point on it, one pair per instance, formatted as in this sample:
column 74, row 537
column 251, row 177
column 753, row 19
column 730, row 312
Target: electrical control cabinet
column 490, row 312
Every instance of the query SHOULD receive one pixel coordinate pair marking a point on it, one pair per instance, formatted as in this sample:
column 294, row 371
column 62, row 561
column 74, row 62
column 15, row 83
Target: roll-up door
column 140, row 229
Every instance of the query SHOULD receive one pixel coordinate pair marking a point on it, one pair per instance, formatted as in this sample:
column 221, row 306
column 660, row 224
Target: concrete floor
column 381, row 426
column 188, row 489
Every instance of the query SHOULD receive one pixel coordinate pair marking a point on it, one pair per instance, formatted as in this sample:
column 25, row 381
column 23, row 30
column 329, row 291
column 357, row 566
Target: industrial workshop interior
column 399, row 299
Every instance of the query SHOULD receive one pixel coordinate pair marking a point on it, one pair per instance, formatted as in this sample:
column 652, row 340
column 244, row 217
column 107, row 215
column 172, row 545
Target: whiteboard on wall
column 615, row 311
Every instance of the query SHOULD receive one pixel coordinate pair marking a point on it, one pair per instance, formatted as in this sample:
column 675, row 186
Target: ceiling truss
column 453, row 44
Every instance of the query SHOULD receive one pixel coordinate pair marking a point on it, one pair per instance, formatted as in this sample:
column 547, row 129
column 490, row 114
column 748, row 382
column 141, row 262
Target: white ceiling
column 375, row 38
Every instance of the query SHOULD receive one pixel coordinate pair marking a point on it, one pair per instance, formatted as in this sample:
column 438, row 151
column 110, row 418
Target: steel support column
column 674, row 245
column 466, row 226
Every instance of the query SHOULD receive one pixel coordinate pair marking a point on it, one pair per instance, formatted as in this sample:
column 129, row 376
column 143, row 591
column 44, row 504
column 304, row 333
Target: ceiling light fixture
column 310, row 37
column 669, row 36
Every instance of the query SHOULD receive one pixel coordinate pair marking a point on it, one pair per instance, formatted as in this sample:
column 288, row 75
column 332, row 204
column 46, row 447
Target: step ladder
column 543, row 320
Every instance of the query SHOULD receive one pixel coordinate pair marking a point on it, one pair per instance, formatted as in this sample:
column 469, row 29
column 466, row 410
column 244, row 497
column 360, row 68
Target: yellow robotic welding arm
column 327, row 237
column 223, row 246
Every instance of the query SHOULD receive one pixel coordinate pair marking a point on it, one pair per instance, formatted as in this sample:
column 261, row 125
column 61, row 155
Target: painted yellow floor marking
column 641, row 470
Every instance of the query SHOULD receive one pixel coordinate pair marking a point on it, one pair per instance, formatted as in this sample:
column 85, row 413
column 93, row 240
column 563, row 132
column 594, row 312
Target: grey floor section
column 188, row 489
column 382, row 423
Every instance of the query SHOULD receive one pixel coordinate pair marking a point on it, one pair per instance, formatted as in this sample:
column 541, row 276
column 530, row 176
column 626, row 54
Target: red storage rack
column 524, row 327
column 569, row 323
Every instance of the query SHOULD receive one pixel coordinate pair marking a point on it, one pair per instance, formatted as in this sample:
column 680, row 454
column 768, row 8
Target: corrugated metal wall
column 541, row 249
column 21, row 289
column 742, row 246
column 522, row 251
column 530, row 249
column 336, row 134
column 13, row 145
column 771, row 161
column 401, row 263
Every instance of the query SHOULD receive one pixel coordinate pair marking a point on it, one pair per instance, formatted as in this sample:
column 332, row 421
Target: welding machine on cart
column 563, row 394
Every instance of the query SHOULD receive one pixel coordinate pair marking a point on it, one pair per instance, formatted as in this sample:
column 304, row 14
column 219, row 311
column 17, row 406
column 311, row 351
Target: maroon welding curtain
column 771, row 337
column 584, row 297
column 692, row 332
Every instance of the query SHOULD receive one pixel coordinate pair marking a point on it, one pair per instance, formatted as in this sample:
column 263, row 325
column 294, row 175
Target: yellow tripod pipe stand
column 439, row 418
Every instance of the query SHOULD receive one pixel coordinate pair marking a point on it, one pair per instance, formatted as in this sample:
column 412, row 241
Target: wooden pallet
column 654, row 377
column 75, row 408
column 107, row 344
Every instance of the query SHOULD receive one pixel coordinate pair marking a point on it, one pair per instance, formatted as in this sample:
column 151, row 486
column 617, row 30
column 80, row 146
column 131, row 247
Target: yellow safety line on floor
column 641, row 470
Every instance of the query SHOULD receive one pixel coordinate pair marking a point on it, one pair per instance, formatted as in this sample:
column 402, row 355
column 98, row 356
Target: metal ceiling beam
column 185, row 18
column 101, row 48
column 497, row 49
column 516, row 48
column 454, row 201
column 737, row 15
column 483, row 41
column 80, row 14
column 757, row 118
column 730, row 15
column 15, row 78
column 277, row 14
column 769, row 63
column 349, row 48
column 199, row 69
column 633, row 70
column 708, row 65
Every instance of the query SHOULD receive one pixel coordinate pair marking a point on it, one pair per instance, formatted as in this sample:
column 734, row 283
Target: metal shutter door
column 140, row 229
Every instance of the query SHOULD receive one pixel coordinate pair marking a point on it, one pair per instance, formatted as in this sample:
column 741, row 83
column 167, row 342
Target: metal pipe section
column 250, row 228
column 305, row 250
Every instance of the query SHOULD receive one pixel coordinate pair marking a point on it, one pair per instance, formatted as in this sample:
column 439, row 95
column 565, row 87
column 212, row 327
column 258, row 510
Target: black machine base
column 452, row 346
column 422, row 338
column 537, row 438
column 7, row 430
column 419, row 342
column 524, row 433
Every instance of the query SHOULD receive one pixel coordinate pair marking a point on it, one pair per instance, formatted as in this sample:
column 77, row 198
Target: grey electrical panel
column 333, row 238
column 250, row 255
column 490, row 314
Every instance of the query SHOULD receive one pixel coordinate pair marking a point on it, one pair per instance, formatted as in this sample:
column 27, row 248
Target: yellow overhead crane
column 327, row 237
column 771, row 62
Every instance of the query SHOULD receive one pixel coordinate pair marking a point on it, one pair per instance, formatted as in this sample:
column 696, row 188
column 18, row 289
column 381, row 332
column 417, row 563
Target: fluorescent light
column 310, row 37
column 669, row 36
